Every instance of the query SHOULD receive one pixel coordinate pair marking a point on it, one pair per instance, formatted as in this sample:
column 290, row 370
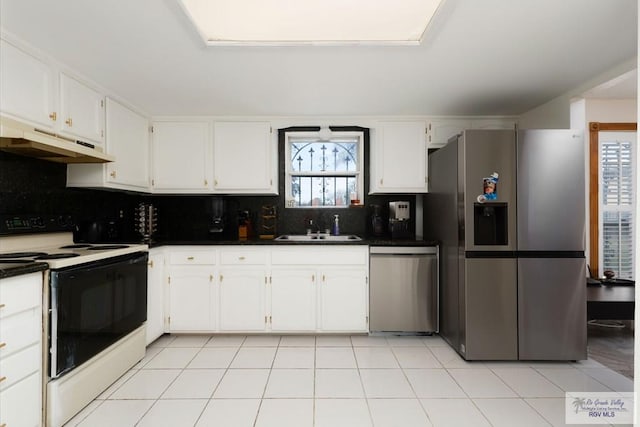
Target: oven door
column 92, row 306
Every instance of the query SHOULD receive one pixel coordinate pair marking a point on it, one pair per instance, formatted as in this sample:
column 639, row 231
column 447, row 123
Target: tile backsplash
column 33, row 186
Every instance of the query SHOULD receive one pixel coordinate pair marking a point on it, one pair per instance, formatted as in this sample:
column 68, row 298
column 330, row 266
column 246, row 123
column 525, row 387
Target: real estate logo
column 598, row 408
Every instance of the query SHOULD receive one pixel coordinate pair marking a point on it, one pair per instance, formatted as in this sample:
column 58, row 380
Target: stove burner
column 76, row 246
column 57, row 256
column 21, row 255
column 106, row 247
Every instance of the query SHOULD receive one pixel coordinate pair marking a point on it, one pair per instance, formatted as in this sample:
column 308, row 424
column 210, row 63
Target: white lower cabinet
column 326, row 283
column 293, row 300
column 268, row 289
column 191, row 299
column 155, row 294
column 21, row 350
column 343, row 300
column 242, row 288
column 242, row 299
column 17, row 403
column 191, row 280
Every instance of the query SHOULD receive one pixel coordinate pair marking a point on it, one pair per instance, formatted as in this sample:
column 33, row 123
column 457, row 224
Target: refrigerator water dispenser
column 490, row 224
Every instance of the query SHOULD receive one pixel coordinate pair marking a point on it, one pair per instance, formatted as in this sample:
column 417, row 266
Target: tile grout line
column 313, row 411
column 364, row 391
column 221, row 378
column 266, row 384
column 174, row 380
column 424, row 410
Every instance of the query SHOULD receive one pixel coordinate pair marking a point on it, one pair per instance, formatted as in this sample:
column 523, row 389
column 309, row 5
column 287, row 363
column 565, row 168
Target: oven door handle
column 53, row 341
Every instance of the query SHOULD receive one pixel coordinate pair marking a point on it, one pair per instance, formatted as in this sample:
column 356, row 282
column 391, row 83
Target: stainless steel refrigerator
column 513, row 267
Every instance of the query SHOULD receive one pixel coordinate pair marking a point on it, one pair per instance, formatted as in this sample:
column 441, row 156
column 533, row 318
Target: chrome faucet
column 314, row 230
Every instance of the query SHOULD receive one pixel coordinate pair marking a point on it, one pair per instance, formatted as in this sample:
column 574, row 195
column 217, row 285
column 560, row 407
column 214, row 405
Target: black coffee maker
column 216, row 225
column 399, row 216
column 377, row 223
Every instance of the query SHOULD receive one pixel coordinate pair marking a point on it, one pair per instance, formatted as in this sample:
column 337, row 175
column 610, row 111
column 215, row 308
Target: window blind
column 617, row 202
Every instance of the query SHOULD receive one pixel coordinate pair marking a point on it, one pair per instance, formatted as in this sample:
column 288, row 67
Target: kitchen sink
column 318, row 237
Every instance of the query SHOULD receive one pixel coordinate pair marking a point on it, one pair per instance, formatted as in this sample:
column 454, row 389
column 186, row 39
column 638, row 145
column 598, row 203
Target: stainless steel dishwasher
column 403, row 289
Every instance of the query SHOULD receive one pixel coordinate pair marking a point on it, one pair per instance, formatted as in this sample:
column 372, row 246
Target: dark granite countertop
column 19, row 268
column 262, row 242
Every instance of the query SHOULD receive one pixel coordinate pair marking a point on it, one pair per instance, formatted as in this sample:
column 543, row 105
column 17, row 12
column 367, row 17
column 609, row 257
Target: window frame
column 336, row 136
column 594, row 188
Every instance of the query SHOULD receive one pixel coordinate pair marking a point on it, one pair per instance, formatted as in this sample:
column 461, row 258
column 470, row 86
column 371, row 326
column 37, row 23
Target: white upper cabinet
column 26, row 87
column 440, row 130
column 81, row 110
column 127, row 139
column 244, row 158
column 498, row 123
column 181, row 153
column 29, row 92
column 399, row 158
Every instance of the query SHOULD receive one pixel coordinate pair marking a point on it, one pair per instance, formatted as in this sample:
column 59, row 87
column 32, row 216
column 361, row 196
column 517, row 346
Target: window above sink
column 323, row 169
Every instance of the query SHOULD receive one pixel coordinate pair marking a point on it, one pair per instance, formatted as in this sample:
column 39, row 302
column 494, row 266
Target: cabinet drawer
column 19, row 331
column 20, row 293
column 21, row 404
column 316, row 256
column 243, row 257
column 192, row 258
column 19, row 365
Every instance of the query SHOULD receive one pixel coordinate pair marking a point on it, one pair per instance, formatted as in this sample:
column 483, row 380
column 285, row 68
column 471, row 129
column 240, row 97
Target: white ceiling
column 489, row 57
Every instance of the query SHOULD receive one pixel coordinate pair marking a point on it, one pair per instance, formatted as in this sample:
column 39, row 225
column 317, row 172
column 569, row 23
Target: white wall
column 556, row 113
column 611, row 110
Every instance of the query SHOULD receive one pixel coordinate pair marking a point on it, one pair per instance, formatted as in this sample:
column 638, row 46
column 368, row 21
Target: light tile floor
column 235, row 381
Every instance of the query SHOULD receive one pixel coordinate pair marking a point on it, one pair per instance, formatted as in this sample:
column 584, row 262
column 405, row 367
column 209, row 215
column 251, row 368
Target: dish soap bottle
column 336, row 226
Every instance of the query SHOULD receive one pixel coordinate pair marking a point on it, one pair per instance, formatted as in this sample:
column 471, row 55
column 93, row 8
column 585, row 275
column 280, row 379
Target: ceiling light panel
column 282, row 22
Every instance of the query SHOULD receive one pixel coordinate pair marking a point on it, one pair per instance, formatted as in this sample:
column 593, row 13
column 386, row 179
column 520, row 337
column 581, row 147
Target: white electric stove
column 94, row 308
column 58, row 249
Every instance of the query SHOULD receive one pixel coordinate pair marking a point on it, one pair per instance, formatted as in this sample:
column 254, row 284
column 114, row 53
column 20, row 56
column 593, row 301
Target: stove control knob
column 37, row 222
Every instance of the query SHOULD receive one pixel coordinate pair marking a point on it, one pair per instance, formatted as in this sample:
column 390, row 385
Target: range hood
column 22, row 139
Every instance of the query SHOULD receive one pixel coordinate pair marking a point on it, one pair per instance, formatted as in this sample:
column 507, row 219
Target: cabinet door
column 343, row 300
column 128, row 140
column 81, row 110
column 400, row 158
column 180, row 153
column 493, row 124
column 439, row 131
column 243, row 157
column 26, row 87
column 191, row 299
column 20, row 405
column 155, row 296
column 293, row 298
column 242, row 299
